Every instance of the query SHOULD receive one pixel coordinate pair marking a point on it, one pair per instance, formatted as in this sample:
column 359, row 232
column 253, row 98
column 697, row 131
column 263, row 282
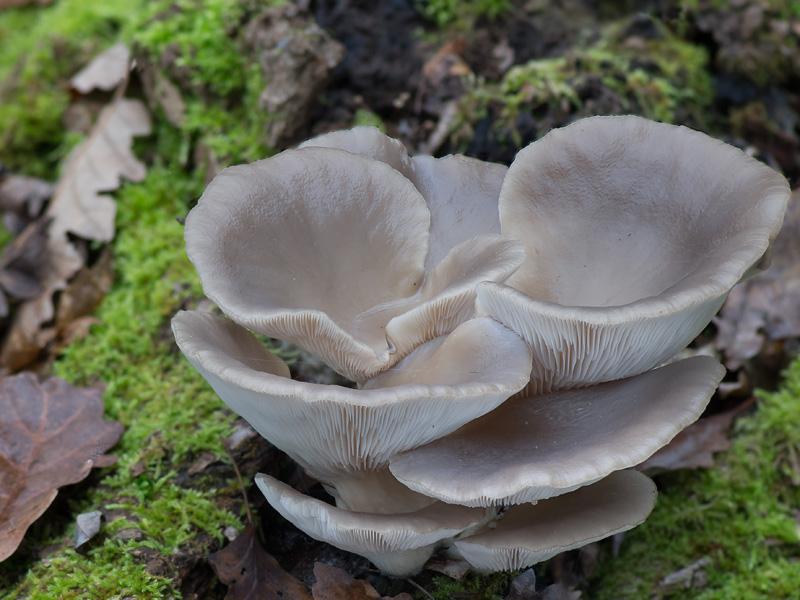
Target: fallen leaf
column 20, row 263
column 523, row 587
column 442, row 76
column 691, row 577
column 77, row 208
column 454, row 569
column 22, row 199
column 202, row 462
column 51, row 434
column 445, row 63
column 85, row 291
column 76, row 330
column 105, row 71
column 161, row 92
column 96, row 165
column 87, row 525
column 767, row 307
column 333, row 583
column 252, row 574
column 26, row 336
column 694, row 446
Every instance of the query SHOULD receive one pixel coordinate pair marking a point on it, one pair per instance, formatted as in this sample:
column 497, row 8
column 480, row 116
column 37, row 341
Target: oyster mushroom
column 537, row 447
column 397, row 543
column 460, row 192
column 346, row 437
column 332, row 251
column 635, row 232
column 530, row 533
column 630, row 235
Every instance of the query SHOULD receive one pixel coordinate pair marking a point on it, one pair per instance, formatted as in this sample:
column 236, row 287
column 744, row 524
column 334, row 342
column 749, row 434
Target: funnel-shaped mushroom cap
column 635, row 233
column 461, row 192
column 530, row 533
column 398, row 544
column 534, row 448
column 334, row 431
column 328, row 250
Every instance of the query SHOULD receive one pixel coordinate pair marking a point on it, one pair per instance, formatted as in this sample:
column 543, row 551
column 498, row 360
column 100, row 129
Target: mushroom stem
column 376, row 492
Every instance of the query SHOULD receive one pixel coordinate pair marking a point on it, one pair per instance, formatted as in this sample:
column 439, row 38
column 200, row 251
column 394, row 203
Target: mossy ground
column 742, row 514
column 168, row 411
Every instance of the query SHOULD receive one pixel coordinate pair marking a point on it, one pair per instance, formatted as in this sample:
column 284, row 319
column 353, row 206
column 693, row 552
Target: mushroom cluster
column 508, row 330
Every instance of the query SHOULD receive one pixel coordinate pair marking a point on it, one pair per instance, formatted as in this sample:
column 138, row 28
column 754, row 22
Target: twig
column 419, row 587
column 239, row 477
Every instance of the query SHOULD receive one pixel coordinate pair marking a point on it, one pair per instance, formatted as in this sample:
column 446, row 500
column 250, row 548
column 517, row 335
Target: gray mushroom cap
column 397, row 544
column 530, row 533
column 635, row 232
column 532, row 448
column 460, row 192
column 336, row 432
column 330, row 250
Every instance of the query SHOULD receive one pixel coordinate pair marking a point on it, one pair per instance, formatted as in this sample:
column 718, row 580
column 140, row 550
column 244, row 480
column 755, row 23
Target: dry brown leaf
column 20, row 262
column 336, row 584
column 767, row 307
column 694, row 446
column 446, row 62
column 333, row 583
column 78, row 208
column 105, row 71
column 252, row 574
column 22, row 199
column 691, row 577
column 161, row 92
column 523, row 587
column 51, row 434
column 454, row 569
column 85, row 291
column 96, row 165
column 26, row 335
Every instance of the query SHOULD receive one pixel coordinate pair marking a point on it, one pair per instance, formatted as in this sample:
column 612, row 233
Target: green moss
column 97, row 575
column 458, row 14
column 197, row 28
column 369, row 118
column 222, row 96
column 474, row 586
column 662, row 78
column 42, row 49
column 739, row 514
column 168, row 410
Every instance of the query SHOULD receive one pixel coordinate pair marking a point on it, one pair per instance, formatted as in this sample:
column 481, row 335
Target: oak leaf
column 51, row 434
column 105, row 71
column 96, row 165
column 78, row 207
